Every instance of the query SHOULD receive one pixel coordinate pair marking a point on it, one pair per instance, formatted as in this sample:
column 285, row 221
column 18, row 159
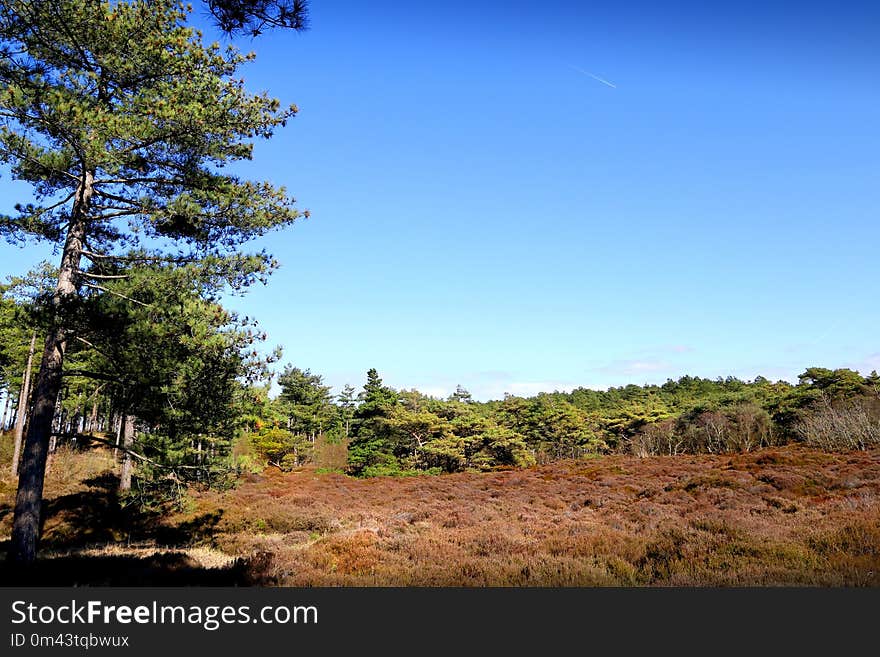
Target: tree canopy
column 254, row 16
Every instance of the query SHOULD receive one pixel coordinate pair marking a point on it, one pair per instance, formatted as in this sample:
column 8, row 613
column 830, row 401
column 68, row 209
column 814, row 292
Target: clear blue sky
column 486, row 212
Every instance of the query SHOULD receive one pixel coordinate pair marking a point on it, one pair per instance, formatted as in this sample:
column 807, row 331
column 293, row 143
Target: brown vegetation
column 779, row 516
column 847, row 424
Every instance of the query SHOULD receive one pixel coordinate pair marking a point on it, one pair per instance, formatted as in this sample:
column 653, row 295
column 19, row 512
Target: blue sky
column 485, row 212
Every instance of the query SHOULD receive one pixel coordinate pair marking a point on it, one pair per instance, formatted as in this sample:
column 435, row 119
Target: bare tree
column 23, row 402
column 127, row 442
column 854, row 424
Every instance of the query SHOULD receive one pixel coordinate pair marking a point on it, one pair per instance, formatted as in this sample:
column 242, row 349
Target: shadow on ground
column 161, row 569
column 95, row 517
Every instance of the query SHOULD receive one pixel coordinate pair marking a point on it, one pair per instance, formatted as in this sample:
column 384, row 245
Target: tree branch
column 112, row 360
column 117, row 294
column 36, row 162
column 114, row 215
column 92, row 375
column 114, row 197
column 103, row 256
column 101, row 276
column 138, row 456
column 132, row 181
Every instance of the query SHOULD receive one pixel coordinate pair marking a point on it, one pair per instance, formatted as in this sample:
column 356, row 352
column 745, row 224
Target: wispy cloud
column 595, row 77
column 869, row 363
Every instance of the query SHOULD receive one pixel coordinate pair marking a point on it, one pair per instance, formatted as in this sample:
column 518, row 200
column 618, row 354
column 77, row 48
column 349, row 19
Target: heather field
column 783, row 516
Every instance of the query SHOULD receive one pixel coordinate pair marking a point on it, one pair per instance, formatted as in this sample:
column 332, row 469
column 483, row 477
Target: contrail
column 595, row 77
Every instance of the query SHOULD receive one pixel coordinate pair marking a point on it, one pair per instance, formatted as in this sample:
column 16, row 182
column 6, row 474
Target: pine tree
column 121, row 119
column 307, row 402
column 346, row 407
column 461, row 395
column 370, row 444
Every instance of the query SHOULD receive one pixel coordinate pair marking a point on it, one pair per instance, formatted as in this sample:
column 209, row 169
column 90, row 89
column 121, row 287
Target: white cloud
column 868, row 364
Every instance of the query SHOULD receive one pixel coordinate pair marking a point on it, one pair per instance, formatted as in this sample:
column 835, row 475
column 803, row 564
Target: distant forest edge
column 178, row 390
column 400, row 432
column 182, row 398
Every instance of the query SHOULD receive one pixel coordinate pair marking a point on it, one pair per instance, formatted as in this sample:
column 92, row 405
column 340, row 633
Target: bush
column 739, row 428
column 844, row 425
column 391, row 467
column 655, row 439
column 6, row 448
column 330, row 454
column 282, row 448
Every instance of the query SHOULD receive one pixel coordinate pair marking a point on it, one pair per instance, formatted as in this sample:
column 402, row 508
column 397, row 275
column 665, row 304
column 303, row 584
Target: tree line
column 401, row 432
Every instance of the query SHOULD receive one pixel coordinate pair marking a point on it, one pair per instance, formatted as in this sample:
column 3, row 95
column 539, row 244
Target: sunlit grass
column 781, row 516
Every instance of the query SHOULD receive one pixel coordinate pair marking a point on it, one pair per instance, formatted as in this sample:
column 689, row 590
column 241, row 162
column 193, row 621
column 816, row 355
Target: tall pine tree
column 122, row 119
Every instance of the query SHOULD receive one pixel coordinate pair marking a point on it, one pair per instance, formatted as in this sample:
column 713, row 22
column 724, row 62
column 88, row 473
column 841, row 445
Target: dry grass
column 67, row 469
column 204, row 557
column 788, row 516
column 781, row 516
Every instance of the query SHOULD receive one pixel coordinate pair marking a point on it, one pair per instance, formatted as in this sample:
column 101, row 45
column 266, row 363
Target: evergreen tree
column 461, row 395
column 306, row 401
column 370, row 446
column 375, row 399
column 121, row 119
column 347, row 406
column 176, row 362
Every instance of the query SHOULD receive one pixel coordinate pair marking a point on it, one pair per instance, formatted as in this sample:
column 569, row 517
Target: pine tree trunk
column 76, row 422
column 6, row 411
column 60, row 413
column 120, row 425
column 29, row 498
column 23, row 404
column 53, row 441
column 127, row 442
column 93, row 416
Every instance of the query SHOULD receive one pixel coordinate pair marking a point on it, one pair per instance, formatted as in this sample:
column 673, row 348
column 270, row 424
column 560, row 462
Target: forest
column 196, row 407
column 123, row 121
column 402, row 432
